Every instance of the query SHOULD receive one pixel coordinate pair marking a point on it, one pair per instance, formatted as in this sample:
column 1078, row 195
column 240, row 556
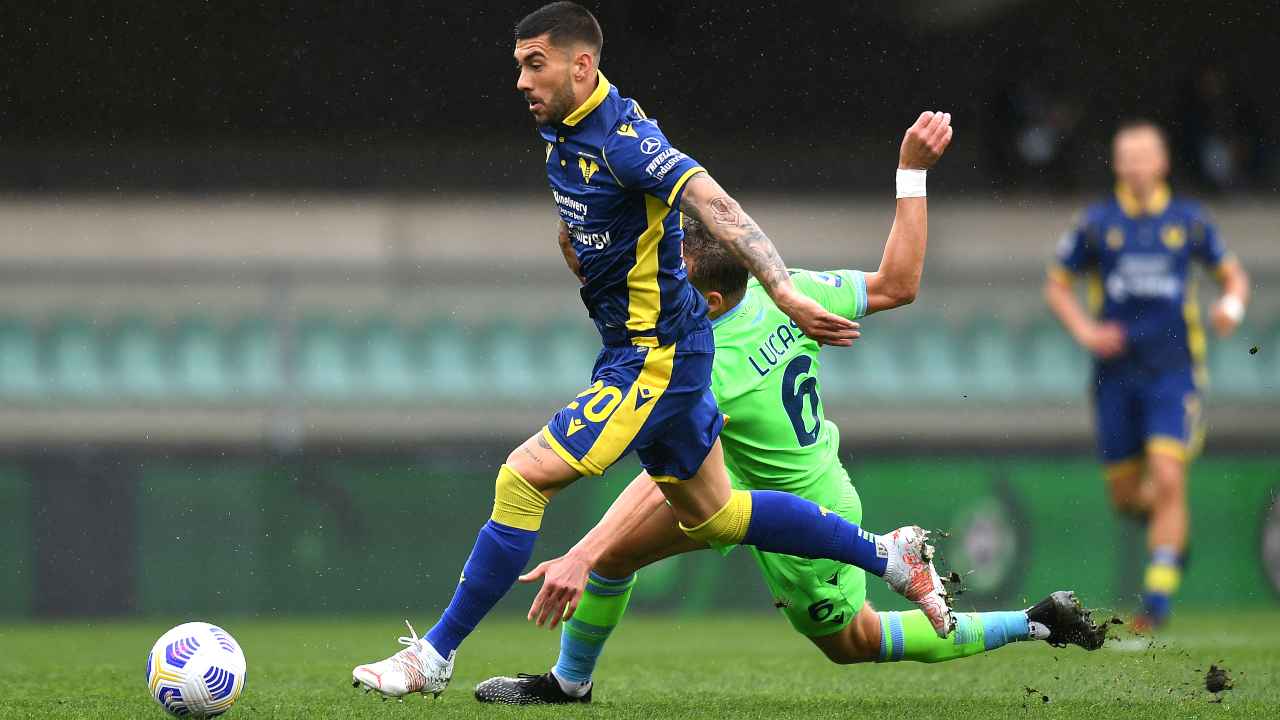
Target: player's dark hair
column 712, row 266
column 566, row 23
column 1140, row 123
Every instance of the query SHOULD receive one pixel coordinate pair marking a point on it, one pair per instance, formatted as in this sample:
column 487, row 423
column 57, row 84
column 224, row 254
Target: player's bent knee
column 1169, row 482
column 728, row 526
column 857, row 642
column 1125, row 489
column 516, row 503
column 864, row 634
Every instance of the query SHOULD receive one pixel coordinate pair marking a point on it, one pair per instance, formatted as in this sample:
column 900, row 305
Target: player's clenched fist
column 925, row 141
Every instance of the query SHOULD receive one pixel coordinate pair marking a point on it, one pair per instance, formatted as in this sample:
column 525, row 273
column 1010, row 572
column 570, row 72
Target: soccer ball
column 196, row 670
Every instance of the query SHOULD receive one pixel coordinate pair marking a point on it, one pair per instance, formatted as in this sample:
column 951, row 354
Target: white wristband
column 1233, row 308
column 911, row 183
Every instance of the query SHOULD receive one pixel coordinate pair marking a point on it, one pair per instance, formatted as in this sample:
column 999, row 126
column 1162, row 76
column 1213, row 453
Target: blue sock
column 500, row 553
column 789, row 524
column 1002, row 628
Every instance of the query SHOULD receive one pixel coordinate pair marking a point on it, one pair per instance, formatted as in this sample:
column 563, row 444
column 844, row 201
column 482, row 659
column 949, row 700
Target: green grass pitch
column 748, row 666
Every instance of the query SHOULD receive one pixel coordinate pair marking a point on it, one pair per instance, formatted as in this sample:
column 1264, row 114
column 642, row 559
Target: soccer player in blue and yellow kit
column 1137, row 248
column 621, row 190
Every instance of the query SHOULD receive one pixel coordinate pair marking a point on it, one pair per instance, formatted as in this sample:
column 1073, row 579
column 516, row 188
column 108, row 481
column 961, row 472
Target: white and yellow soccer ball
column 196, row 670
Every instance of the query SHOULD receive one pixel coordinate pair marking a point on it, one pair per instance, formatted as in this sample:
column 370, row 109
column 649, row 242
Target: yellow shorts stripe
column 565, row 455
column 625, row 423
column 1195, row 422
column 1169, row 446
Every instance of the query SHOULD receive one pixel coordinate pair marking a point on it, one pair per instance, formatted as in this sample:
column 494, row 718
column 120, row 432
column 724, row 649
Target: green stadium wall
column 206, row 534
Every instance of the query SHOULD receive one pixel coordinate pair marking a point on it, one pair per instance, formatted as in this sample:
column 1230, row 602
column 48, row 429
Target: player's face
column 546, row 79
column 1140, row 158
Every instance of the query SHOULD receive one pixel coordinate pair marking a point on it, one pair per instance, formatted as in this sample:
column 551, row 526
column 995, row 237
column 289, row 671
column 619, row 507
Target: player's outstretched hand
column 815, row 322
column 925, row 141
column 563, row 581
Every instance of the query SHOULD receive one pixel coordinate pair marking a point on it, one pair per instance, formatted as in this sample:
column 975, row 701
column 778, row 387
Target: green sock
column 584, row 635
column 910, row 635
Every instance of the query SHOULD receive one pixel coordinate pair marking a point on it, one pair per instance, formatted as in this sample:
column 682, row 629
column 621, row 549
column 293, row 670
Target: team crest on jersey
column 1115, row 238
column 1173, row 236
column 588, row 168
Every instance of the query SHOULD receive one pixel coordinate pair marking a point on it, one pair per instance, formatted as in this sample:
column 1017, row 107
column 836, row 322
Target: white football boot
column 910, row 573
column 416, row 669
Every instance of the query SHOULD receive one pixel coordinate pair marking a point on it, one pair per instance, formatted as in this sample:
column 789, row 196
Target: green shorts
column 819, row 597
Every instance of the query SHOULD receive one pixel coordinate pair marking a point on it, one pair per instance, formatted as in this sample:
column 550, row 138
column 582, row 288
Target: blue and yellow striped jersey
column 617, row 183
column 1139, row 261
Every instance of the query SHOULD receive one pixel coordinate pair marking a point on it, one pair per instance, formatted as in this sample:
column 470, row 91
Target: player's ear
column 715, row 301
column 584, row 65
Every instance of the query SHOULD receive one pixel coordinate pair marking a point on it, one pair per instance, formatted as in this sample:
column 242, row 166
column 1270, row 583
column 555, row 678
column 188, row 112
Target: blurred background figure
column 1144, row 331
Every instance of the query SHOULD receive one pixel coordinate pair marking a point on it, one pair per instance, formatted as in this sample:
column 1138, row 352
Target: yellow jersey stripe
column 626, row 422
column 1094, row 294
column 597, row 96
column 680, row 183
column 644, row 300
column 1195, row 336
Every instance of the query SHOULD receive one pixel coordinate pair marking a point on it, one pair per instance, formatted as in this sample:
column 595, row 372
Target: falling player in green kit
column 766, row 379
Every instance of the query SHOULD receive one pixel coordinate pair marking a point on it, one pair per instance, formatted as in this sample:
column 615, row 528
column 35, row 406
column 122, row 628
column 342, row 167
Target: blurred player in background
column 778, row 438
column 620, row 189
column 1145, row 334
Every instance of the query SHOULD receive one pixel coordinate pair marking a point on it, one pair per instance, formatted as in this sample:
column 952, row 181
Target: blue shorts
column 1147, row 411
column 655, row 400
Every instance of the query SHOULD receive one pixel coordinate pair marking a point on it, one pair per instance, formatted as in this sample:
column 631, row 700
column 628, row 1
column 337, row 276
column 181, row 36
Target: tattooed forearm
column 757, row 252
column 725, row 211
column 731, row 225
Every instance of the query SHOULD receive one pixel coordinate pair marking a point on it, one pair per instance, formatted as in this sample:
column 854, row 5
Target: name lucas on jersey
column 774, row 349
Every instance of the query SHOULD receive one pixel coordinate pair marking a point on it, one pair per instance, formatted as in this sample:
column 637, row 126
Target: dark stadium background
column 279, row 289
column 418, row 96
